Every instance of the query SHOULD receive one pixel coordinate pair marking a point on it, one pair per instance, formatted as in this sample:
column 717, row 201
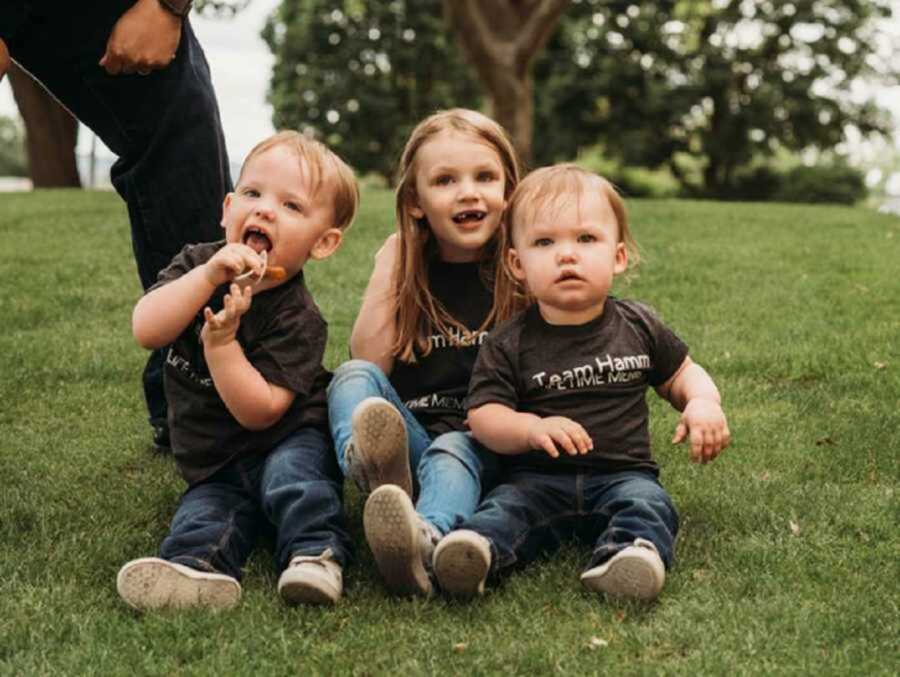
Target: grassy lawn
column 788, row 555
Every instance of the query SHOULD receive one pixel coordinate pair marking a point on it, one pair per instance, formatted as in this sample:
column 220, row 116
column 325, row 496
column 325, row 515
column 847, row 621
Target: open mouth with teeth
column 257, row 240
column 471, row 216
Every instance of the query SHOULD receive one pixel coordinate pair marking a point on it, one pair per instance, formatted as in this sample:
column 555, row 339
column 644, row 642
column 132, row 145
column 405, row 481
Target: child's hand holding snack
column 230, row 261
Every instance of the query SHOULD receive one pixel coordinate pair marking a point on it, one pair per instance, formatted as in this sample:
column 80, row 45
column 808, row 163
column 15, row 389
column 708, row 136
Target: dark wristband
column 180, row 8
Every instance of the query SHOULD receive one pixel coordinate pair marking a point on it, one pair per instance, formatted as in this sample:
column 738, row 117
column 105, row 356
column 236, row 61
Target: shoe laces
column 356, row 471
column 323, row 560
column 429, row 537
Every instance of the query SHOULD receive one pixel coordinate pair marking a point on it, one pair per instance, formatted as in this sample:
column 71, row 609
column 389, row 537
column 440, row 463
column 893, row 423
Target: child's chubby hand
column 546, row 433
column 703, row 422
column 230, row 261
column 221, row 328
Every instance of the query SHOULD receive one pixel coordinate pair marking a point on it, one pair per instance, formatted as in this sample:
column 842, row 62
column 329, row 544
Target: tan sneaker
column 637, row 572
column 313, row 579
column 401, row 541
column 151, row 584
column 462, row 561
column 378, row 452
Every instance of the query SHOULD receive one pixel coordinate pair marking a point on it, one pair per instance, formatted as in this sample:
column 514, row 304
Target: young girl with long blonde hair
column 396, row 409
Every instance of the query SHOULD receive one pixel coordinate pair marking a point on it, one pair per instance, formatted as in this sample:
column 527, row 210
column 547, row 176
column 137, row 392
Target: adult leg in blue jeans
column 172, row 168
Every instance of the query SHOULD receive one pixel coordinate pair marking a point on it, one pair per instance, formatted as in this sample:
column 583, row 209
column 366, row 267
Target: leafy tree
column 726, row 80
column 362, row 74
column 501, row 39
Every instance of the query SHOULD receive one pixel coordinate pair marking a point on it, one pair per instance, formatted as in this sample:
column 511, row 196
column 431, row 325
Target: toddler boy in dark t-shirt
column 246, row 389
column 559, row 392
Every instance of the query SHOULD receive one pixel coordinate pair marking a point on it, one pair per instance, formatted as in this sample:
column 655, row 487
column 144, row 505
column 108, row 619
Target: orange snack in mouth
column 275, row 273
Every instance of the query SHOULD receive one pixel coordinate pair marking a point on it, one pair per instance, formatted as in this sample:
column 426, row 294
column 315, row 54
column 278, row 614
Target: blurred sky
column 241, row 66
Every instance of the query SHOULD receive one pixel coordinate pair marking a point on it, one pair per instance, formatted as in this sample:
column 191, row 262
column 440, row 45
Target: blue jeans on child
column 450, row 469
column 295, row 491
column 531, row 513
column 172, row 169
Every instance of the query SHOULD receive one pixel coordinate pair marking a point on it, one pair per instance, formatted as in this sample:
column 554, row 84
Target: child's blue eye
column 543, row 242
column 293, row 206
column 250, row 192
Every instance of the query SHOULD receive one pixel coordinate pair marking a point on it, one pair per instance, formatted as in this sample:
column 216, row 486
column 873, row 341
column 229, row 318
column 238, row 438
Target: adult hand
column 4, row 59
column 144, row 39
column 703, row 424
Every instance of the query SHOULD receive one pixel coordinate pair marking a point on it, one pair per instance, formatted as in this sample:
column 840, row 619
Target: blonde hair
column 418, row 313
column 557, row 185
column 324, row 167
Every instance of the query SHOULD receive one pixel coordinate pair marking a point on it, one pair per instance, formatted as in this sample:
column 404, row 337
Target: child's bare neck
column 568, row 316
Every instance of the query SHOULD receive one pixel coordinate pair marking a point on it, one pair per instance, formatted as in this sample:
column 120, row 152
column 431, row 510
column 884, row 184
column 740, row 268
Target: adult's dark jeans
column 293, row 493
column 533, row 513
column 172, row 168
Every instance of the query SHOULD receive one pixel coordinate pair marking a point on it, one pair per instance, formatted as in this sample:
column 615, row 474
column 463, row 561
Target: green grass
column 795, row 310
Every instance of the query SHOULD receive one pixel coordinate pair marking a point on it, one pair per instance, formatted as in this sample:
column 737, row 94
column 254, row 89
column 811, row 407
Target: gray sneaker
column 153, row 584
column 636, row 572
column 401, row 541
column 462, row 561
column 316, row 579
column 378, row 452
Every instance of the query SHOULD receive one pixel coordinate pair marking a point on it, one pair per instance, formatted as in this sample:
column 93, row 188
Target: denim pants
column 531, row 513
column 172, row 169
column 293, row 493
column 450, row 470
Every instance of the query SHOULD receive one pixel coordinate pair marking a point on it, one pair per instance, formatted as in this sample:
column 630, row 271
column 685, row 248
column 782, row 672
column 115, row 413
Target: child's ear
column 515, row 265
column 226, row 203
column 621, row 259
column 327, row 244
column 415, row 210
column 412, row 205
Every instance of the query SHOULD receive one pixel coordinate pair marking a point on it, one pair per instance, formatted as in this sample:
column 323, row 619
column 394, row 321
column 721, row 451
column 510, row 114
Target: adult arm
column 145, row 38
column 692, row 392
column 375, row 329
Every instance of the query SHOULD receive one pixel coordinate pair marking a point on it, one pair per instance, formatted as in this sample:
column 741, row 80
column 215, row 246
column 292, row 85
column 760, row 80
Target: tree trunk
column 500, row 39
column 50, row 133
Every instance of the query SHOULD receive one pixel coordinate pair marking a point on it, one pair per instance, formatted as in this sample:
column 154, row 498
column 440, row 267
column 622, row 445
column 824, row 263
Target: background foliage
column 704, row 89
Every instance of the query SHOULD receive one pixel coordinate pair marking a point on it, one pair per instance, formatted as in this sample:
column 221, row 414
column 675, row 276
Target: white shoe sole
column 379, row 438
column 632, row 573
column 462, row 561
column 392, row 532
column 151, row 584
column 313, row 590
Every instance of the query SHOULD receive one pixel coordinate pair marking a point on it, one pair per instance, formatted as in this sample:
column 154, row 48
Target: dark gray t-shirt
column 595, row 373
column 435, row 386
column 283, row 336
